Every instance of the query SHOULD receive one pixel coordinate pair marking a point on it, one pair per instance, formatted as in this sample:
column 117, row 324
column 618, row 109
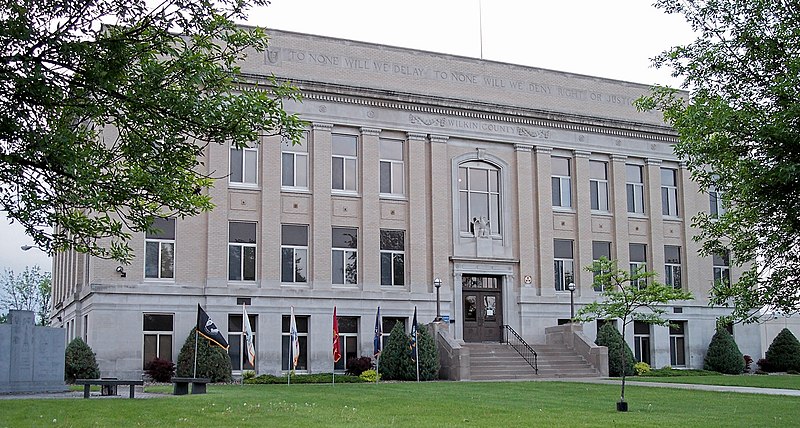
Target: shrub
column 248, row 374
column 356, row 366
column 793, row 372
column 748, row 361
column 723, row 355
column 395, row 362
column 609, row 336
column 764, row 365
column 428, row 356
column 641, row 368
column 80, row 362
column 369, row 376
column 784, row 352
column 213, row 362
column 160, row 370
column 668, row 371
column 761, row 372
column 267, row 379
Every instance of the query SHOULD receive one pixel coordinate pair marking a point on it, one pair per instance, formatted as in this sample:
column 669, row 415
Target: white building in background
column 501, row 180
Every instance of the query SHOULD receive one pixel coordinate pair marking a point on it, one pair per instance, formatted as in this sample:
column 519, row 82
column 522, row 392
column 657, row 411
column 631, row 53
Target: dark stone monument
column 31, row 356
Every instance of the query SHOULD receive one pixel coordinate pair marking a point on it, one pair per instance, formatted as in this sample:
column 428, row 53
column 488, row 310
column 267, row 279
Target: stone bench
column 182, row 385
column 107, row 385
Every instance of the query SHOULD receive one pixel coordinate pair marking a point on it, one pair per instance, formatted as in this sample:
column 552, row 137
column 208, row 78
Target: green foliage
column 395, row 362
column 356, row 366
column 738, row 134
column 641, row 368
column 267, row 379
column 668, row 371
column 164, row 78
column 248, row 374
column 80, row 362
column 4, row 318
column 784, row 352
column 369, row 376
column 27, row 291
column 160, row 370
column 609, row 337
column 723, row 354
column 428, row 355
column 212, row 361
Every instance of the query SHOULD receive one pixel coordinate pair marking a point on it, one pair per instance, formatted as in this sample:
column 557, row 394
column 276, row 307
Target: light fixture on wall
column 121, row 272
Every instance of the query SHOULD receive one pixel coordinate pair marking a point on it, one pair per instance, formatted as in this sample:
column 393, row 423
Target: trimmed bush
column 609, row 337
column 267, row 379
column 395, row 362
column 748, row 361
column 212, row 361
column 428, row 356
column 369, row 376
column 356, row 366
column 641, row 368
column 723, row 355
column 667, row 371
column 784, row 352
column 160, row 370
column 80, row 362
column 764, row 366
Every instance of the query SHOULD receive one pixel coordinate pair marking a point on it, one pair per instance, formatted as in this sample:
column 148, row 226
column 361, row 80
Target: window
column 392, row 257
column 159, row 250
column 672, row 266
column 344, row 162
column 598, row 185
column 345, row 255
column 634, row 186
column 722, row 270
column 562, row 187
column 677, row 343
column 669, row 192
column 241, row 251
column 600, row 249
column 641, row 341
column 244, row 166
column 392, row 167
column 86, row 328
column 294, row 164
column 348, row 341
column 294, row 253
column 302, row 337
column 564, row 263
column 638, row 263
column 157, row 329
column 387, row 324
column 238, row 345
column 716, row 206
column 479, row 196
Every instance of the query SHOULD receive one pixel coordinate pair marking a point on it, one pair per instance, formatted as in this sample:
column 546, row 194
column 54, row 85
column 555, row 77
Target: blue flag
column 413, row 347
column 376, row 342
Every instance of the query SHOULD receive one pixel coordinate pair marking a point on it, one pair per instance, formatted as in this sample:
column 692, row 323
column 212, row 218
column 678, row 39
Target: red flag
column 337, row 354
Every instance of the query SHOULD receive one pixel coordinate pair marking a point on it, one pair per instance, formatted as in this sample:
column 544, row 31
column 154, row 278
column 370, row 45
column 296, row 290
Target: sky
column 611, row 39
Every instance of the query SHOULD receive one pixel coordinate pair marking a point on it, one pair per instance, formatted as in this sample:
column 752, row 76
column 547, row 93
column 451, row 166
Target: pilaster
column 320, row 263
column 583, row 210
column 544, row 228
column 525, row 208
column 656, row 250
column 417, row 236
column 619, row 200
column 370, row 233
column 441, row 202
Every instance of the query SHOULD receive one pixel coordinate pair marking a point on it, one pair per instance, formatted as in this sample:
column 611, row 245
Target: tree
column 428, row 355
column 28, row 291
column 784, row 352
column 609, row 336
column 723, row 355
column 395, row 362
column 213, row 362
column 80, row 362
column 629, row 296
column 738, row 133
column 104, row 127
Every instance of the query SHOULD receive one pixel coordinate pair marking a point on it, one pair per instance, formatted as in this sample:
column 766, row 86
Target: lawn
column 758, row 381
column 410, row 404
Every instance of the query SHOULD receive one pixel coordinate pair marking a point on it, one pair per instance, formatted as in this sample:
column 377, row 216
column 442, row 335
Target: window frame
column 303, row 333
column 157, row 238
column 344, row 253
column 635, row 265
column 394, row 181
column 598, row 189
column 158, row 336
column 393, row 254
column 677, row 344
column 673, row 269
column 347, row 161
column 716, row 206
column 669, row 194
column 642, row 342
column 295, row 248
column 721, row 267
column 242, row 259
column 564, row 200
column 244, row 182
column 344, row 338
column 292, row 151
column 466, row 190
column 634, row 191
column 239, row 337
column 596, row 257
column 564, row 268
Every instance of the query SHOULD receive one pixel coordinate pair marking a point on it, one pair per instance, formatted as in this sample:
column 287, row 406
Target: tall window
column 387, row 324
column 562, row 183
column 634, row 186
column 244, row 166
column 598, row 185
column 238, row 345
column 294, row 253
column 722, row 267
column 302, row 337
column 348, row 341
column 479, row 196
column 294, row 164
column 345, row 255
column 677, row 343
column 638, row 263
column 600, row 249
column 157, row 330
column 159, row 250
column 672, row 266
column 392, row 257
column 241, row 251
column 716, row 207
column 392, row 167
column 344, row 162
column 641, row 341
column 563, row 263
column 669, row 192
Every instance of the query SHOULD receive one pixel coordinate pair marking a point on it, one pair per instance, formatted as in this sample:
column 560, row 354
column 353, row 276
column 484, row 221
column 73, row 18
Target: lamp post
column 571, row 288
column 438, row 284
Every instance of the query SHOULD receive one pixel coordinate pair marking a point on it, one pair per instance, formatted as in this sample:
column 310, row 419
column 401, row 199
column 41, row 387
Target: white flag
column 295, row 341
column 249, row 337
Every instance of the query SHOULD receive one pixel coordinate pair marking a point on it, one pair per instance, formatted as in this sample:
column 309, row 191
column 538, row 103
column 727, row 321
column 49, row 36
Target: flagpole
column 416, row 352
column 196, row 338
column 377, row 368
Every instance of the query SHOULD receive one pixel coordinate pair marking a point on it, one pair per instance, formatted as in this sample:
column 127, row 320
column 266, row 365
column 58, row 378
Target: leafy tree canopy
column 739, row 133
column 107, row 109
column 27, row 291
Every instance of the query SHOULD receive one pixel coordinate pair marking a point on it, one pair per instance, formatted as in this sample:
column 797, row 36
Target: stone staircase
column 499, row 361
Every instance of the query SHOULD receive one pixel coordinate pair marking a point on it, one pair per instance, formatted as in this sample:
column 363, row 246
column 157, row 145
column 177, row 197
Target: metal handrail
column 522, row 347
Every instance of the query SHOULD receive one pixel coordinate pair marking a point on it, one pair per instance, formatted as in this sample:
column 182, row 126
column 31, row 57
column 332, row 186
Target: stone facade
column 479, row 173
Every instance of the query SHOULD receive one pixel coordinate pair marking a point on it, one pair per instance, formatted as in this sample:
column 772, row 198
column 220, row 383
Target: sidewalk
column 714, row 388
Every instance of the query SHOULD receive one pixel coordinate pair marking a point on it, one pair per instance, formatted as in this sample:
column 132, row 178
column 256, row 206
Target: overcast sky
column 612, row 39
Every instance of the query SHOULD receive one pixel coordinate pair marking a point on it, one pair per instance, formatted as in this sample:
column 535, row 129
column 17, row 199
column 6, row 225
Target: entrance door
column 482, row 308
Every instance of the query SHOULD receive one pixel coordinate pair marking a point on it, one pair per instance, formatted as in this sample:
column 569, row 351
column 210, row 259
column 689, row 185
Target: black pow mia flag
column 209, row 330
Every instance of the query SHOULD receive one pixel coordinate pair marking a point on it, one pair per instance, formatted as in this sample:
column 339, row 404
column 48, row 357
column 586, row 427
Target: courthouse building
column 502, row 181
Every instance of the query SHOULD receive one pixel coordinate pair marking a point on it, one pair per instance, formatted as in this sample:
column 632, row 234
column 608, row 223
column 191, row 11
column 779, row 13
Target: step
column 496, row 361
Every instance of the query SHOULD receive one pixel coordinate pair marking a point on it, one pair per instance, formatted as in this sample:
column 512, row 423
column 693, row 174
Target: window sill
column 243, row 186
column 564, row 210
column 672, row 218
column 602, row 213
column 391, row 197
column 295, row 190
column 346, row 194
column 159, row 280
column 638, row 216
column 295, row 284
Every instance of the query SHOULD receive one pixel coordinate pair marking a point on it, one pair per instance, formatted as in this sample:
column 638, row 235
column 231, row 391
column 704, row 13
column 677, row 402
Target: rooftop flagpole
column 480, row 25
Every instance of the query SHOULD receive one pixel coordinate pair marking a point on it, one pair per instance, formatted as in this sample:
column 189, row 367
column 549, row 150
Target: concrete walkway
column 696, row 387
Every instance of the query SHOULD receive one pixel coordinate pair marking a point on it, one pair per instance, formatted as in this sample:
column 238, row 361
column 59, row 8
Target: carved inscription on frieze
column 491, row 127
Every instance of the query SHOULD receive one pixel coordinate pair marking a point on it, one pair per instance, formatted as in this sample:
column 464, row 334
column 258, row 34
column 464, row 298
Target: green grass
column 757, row 381
column 436, row 404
